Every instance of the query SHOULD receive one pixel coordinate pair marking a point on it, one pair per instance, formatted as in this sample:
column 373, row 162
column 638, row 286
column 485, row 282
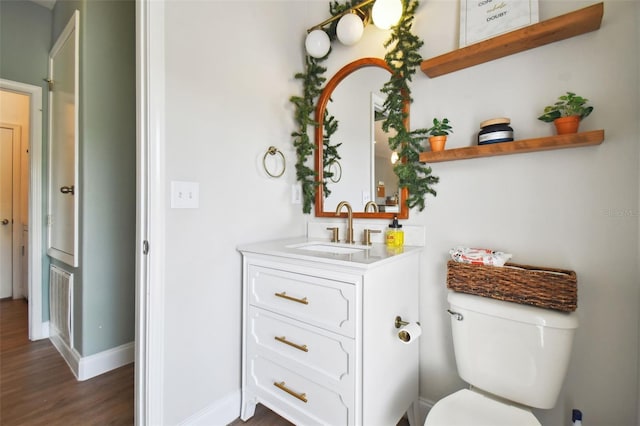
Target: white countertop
column 290, row 248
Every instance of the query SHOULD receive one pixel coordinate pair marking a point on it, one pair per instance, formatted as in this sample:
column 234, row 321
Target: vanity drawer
column 323, row 302
column 305, row 401
column 328, row 354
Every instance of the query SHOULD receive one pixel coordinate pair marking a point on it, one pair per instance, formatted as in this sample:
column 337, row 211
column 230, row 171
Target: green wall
column 105, row 284
column 109, row 178
column 25, row 41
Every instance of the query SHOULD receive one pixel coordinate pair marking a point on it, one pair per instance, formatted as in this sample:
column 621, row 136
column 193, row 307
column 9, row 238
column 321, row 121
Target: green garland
column 312, row 80
column 403, row 59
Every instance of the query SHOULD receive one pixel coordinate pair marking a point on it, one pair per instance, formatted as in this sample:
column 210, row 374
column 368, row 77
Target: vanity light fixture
column 385, row 14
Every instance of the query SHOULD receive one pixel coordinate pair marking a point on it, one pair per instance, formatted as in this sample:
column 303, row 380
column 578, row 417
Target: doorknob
column 67, row 189
column 5, row 221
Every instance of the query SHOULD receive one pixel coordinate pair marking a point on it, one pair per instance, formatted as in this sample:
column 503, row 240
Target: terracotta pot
column 437, row 142
column 566, row 125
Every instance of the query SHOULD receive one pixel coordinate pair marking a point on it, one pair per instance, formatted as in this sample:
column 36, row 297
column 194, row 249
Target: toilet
column 514, row 356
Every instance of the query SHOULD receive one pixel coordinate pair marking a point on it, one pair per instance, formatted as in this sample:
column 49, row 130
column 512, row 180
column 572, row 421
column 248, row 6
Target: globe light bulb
column 350, row 29
column 317, row 44
column 386, row 13
column 394, row 157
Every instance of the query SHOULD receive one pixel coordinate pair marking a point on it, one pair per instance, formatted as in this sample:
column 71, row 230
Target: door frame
column 37, row 329
column 150, row 212
column 71, row 32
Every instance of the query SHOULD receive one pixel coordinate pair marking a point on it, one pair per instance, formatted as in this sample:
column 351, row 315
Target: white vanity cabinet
column 320, row 343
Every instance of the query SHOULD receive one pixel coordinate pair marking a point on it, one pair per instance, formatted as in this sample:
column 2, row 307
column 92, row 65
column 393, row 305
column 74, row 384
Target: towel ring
column 336, row 169
column 273, row 151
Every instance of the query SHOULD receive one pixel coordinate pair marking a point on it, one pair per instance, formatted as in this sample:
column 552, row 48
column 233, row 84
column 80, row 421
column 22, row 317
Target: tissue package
column 479, row 256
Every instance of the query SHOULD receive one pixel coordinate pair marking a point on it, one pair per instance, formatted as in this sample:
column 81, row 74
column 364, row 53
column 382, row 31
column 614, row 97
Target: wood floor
column 263, row 417
column 38, row 388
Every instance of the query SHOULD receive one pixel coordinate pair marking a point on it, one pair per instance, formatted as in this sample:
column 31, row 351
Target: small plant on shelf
column 440, row 128
column 438, row 133
column 568, row 110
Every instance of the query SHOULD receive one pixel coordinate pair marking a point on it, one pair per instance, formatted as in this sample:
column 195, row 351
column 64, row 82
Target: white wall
column 229, row 74
column 575, row 208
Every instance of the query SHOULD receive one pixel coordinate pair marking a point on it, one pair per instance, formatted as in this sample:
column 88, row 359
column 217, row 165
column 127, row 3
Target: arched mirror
column 364, row 171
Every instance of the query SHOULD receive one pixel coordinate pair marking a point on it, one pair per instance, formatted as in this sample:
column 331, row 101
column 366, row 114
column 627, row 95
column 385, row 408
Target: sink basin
column 335, row 248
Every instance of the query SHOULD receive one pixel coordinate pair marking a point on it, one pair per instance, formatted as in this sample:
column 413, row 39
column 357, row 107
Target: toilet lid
column 467, row 407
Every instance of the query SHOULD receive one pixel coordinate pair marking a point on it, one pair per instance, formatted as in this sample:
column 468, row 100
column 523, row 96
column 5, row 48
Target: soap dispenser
column 394, row 235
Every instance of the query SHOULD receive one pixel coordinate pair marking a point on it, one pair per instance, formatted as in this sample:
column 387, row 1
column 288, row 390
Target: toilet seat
column 468, row 407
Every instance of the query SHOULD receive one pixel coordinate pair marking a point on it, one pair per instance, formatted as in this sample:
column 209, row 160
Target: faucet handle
column 334, row 234
column 367, row 235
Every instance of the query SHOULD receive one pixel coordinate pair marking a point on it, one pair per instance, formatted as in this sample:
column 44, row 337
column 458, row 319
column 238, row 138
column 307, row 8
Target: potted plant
column 438, row 133
column 567, row 113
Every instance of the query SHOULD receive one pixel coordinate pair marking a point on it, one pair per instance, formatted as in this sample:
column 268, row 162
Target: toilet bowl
column 515, row 357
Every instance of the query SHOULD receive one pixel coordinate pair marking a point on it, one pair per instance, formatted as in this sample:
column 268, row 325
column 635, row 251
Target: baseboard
column 221, row 412
column 96, row 364
column 93, row 365
column 44, row 331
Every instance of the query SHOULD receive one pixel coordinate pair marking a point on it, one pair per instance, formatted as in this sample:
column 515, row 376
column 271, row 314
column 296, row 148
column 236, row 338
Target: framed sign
column 483, row 19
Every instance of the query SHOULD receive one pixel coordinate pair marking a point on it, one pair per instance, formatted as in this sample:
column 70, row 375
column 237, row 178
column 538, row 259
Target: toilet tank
column 518, row 352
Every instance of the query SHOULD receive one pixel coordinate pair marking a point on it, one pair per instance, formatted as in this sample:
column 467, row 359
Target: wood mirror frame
column 323, row 99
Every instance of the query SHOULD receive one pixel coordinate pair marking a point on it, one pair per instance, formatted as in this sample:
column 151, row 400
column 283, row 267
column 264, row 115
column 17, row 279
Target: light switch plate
column 296, row 193
column 185, row 195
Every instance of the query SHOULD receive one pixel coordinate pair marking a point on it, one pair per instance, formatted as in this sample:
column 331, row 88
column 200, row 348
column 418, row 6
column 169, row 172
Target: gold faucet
column 349, row 220
column 372, row 204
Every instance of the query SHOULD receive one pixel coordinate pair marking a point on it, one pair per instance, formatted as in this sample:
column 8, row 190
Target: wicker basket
column 529, row 285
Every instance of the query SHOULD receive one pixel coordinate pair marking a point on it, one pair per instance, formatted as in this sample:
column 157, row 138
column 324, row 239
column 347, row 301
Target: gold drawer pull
column 304, row 300
column 301, row 396
column 284, row 340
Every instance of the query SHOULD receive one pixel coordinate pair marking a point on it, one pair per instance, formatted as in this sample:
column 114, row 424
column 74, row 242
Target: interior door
column 6, row 211
column 63, row 145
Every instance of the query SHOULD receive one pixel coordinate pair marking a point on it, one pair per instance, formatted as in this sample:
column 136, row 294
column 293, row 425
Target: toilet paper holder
column 400, row 323
column 408, row 333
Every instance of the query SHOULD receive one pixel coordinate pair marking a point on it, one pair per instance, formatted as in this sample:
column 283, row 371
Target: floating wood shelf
column 549, row 31
column 574, row 140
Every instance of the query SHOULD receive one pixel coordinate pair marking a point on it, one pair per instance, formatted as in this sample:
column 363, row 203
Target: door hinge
column 145, row 247
column 49, row 83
